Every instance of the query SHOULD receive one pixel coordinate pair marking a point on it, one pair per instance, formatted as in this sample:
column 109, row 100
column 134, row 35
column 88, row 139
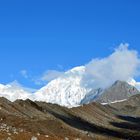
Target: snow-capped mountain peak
column 65, row 90
column 79, row 69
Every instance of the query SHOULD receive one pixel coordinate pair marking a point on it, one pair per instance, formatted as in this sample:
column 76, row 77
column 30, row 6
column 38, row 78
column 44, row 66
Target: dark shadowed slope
column 25, row 119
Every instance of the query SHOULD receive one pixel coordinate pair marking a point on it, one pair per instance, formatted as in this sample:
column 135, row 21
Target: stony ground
column 27, row 120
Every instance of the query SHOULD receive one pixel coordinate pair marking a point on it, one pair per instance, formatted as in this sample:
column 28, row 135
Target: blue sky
column 36, row 36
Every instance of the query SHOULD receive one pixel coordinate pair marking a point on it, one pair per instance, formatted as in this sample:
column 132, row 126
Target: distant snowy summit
column 65, row 90
column 13, row 92
column 68, row 90
column 132, row 82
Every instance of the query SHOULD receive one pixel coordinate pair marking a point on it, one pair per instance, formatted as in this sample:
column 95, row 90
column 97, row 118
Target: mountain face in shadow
column 120, row 90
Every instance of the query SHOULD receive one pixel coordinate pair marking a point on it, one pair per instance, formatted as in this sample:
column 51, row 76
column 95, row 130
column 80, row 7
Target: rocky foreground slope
column 28, row 120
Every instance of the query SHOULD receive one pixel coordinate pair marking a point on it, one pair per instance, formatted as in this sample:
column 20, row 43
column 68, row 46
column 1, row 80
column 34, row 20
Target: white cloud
column 24, row 73
column 47, row 77
column 50, row 75
column 122, row 64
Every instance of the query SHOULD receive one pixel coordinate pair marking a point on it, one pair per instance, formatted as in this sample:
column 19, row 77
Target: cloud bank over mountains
column 121, row 65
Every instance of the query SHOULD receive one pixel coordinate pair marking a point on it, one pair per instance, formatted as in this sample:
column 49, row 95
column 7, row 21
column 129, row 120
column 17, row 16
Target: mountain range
column 68, row 90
